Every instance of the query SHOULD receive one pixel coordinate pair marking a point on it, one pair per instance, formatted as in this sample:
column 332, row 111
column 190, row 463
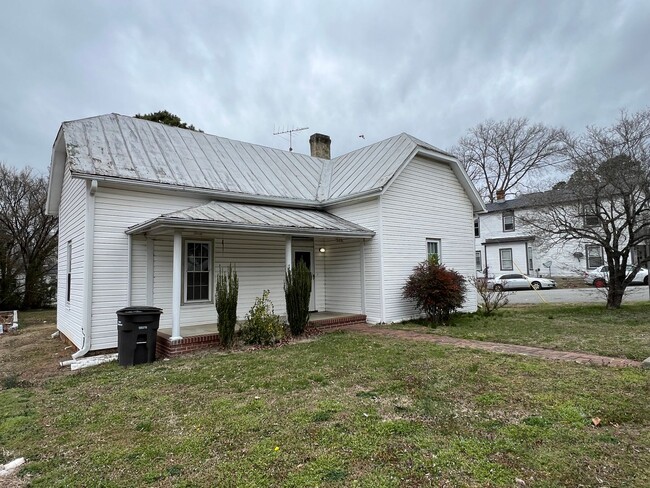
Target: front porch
column 201, row 337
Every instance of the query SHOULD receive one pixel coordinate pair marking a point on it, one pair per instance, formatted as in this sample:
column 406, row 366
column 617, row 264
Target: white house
column 148, row 212
column 505, row 243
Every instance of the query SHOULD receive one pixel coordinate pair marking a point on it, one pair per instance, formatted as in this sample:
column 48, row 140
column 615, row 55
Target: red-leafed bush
column 436, row 290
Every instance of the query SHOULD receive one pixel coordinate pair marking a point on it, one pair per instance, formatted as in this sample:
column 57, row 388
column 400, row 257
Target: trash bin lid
column 140, row 310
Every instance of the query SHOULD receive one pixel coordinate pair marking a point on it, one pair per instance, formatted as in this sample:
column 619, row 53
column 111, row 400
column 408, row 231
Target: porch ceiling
column 227, row 216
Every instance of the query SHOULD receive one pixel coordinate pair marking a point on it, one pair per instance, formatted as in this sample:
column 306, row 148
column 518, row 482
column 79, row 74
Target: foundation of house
column 201, row 337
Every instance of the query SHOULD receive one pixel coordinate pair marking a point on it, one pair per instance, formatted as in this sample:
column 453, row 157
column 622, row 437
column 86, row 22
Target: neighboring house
column 148, row 212
column 504, row 243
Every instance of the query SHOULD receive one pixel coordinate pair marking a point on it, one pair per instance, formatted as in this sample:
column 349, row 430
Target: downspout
column 89, row 239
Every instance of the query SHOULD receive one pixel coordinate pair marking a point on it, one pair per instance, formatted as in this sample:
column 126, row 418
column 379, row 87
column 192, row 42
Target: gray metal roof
column 126, row 148
column 218, row 215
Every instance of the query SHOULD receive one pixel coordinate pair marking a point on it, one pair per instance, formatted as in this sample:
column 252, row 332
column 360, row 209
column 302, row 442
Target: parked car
column 599, row 276
column 516, row 281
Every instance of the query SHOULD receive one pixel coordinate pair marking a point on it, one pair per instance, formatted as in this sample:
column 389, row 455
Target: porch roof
column 228, row 216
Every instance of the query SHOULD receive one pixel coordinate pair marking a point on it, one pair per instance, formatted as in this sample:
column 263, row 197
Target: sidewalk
column 577, row 357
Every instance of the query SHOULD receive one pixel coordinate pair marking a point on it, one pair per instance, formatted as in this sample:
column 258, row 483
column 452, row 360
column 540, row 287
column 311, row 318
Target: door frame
column 304, row 245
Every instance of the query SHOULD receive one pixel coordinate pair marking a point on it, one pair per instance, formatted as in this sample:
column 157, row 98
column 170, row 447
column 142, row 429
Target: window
column 433, row 247
column 530, row 260
column 505, row 256
column 68, row 271
column 477, row 228
column 590, row 216
column 508, row 221
column 198, row 271
column 479, row 262
column 594, row 256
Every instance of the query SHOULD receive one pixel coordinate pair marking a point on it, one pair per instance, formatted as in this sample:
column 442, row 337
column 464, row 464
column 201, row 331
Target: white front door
column 306, row 255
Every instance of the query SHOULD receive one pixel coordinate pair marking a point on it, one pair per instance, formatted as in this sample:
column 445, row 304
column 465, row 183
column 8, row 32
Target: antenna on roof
column 290, row 132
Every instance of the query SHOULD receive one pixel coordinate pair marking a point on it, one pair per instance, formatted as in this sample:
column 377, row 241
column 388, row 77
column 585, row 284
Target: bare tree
column 607, row 199
column 499, row 156
column 29, row 237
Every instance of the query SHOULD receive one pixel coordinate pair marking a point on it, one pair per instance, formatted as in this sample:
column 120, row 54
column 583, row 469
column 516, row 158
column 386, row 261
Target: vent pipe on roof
column 501, row 195
column 320, row 146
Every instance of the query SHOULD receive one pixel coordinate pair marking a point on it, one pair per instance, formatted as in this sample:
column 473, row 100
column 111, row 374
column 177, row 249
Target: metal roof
column 119, row 147
column 218, row 215
column 134, row 149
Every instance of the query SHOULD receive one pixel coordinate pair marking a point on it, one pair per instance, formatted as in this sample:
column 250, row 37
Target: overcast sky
column 344, row 68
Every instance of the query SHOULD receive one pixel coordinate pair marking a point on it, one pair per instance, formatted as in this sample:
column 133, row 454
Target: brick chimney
column 501, row 195
column 320, row 146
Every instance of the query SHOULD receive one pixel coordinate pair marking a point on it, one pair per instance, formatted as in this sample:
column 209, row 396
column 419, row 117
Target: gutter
column 89, row 240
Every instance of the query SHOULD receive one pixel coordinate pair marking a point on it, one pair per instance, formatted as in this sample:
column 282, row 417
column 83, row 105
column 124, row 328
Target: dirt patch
column 29, row 354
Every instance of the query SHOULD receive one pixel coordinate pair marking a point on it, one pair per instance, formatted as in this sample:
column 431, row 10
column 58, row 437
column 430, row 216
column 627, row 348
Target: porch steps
column 336, row 322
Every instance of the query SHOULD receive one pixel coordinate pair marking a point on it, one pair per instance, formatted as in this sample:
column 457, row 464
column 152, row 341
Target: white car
column 516, row 281
column 599, row 276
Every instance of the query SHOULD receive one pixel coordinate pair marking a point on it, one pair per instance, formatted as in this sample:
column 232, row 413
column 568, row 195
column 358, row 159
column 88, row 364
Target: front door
column 306, row 257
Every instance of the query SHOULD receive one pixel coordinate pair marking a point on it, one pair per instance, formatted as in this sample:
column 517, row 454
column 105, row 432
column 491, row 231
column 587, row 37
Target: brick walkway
column 577, row 357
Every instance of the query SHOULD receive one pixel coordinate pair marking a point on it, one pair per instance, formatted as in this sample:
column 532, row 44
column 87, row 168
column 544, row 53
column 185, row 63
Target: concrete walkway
column 539, row 352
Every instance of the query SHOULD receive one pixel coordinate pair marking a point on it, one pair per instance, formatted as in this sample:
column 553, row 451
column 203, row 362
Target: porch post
column 176, row 286
column 149, row 271
column 129, row 269
column 287, row 252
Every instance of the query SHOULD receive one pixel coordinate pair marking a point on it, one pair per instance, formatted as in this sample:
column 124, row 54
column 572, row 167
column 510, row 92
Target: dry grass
column 339, row 410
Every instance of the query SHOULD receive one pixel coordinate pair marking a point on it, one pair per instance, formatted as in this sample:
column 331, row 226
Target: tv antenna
column 290, row 132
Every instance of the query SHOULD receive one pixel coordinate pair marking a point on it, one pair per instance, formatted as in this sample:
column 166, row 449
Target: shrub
column 436, row 290
column 262, row 325
column 227, row 293
column 297, row 292
column 492, row 299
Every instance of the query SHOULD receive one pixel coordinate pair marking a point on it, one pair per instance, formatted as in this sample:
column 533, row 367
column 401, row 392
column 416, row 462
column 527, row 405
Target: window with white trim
column 508, row 221
column 479, row 262
column 434, row 247
column 477, row 228
column 505, row 258
column 594, row 254
column 68, row 272
column 198, row 271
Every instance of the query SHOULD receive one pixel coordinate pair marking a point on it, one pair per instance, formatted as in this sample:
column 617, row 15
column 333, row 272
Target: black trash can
column 137, row 331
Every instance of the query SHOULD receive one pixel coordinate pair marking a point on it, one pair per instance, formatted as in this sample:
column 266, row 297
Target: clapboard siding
column 366, row 214
column 343, row 276
column 139, row 270
column 425, row 201
column 72, row 212
column 260, row 261
column 116, row 210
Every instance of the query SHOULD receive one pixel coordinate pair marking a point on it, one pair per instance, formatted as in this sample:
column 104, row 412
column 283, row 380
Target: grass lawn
column 338, row 410
column 623, row 333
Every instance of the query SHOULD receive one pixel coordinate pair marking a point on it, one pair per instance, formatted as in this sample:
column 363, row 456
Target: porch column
column 176, row 286
column 287, row 252
column 149, row 272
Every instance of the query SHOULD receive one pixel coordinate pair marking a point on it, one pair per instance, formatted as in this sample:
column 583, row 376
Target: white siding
column 115, row 211
column 561, row 255
column 343, row 276
column 72, row 214
column 426, row 201
column 260, row 261
column 366, row 214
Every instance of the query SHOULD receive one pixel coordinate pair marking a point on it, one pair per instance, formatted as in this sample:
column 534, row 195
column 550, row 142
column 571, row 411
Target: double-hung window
column 198, row 271
column 434, row 248
column 68, row 271
column 594, row 256
column 508, row 221
column 477, row 228
column 479, row 262
column 505, row 256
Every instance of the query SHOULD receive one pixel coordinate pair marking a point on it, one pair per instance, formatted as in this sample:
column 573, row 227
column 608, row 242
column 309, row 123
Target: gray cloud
column 243, row 69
